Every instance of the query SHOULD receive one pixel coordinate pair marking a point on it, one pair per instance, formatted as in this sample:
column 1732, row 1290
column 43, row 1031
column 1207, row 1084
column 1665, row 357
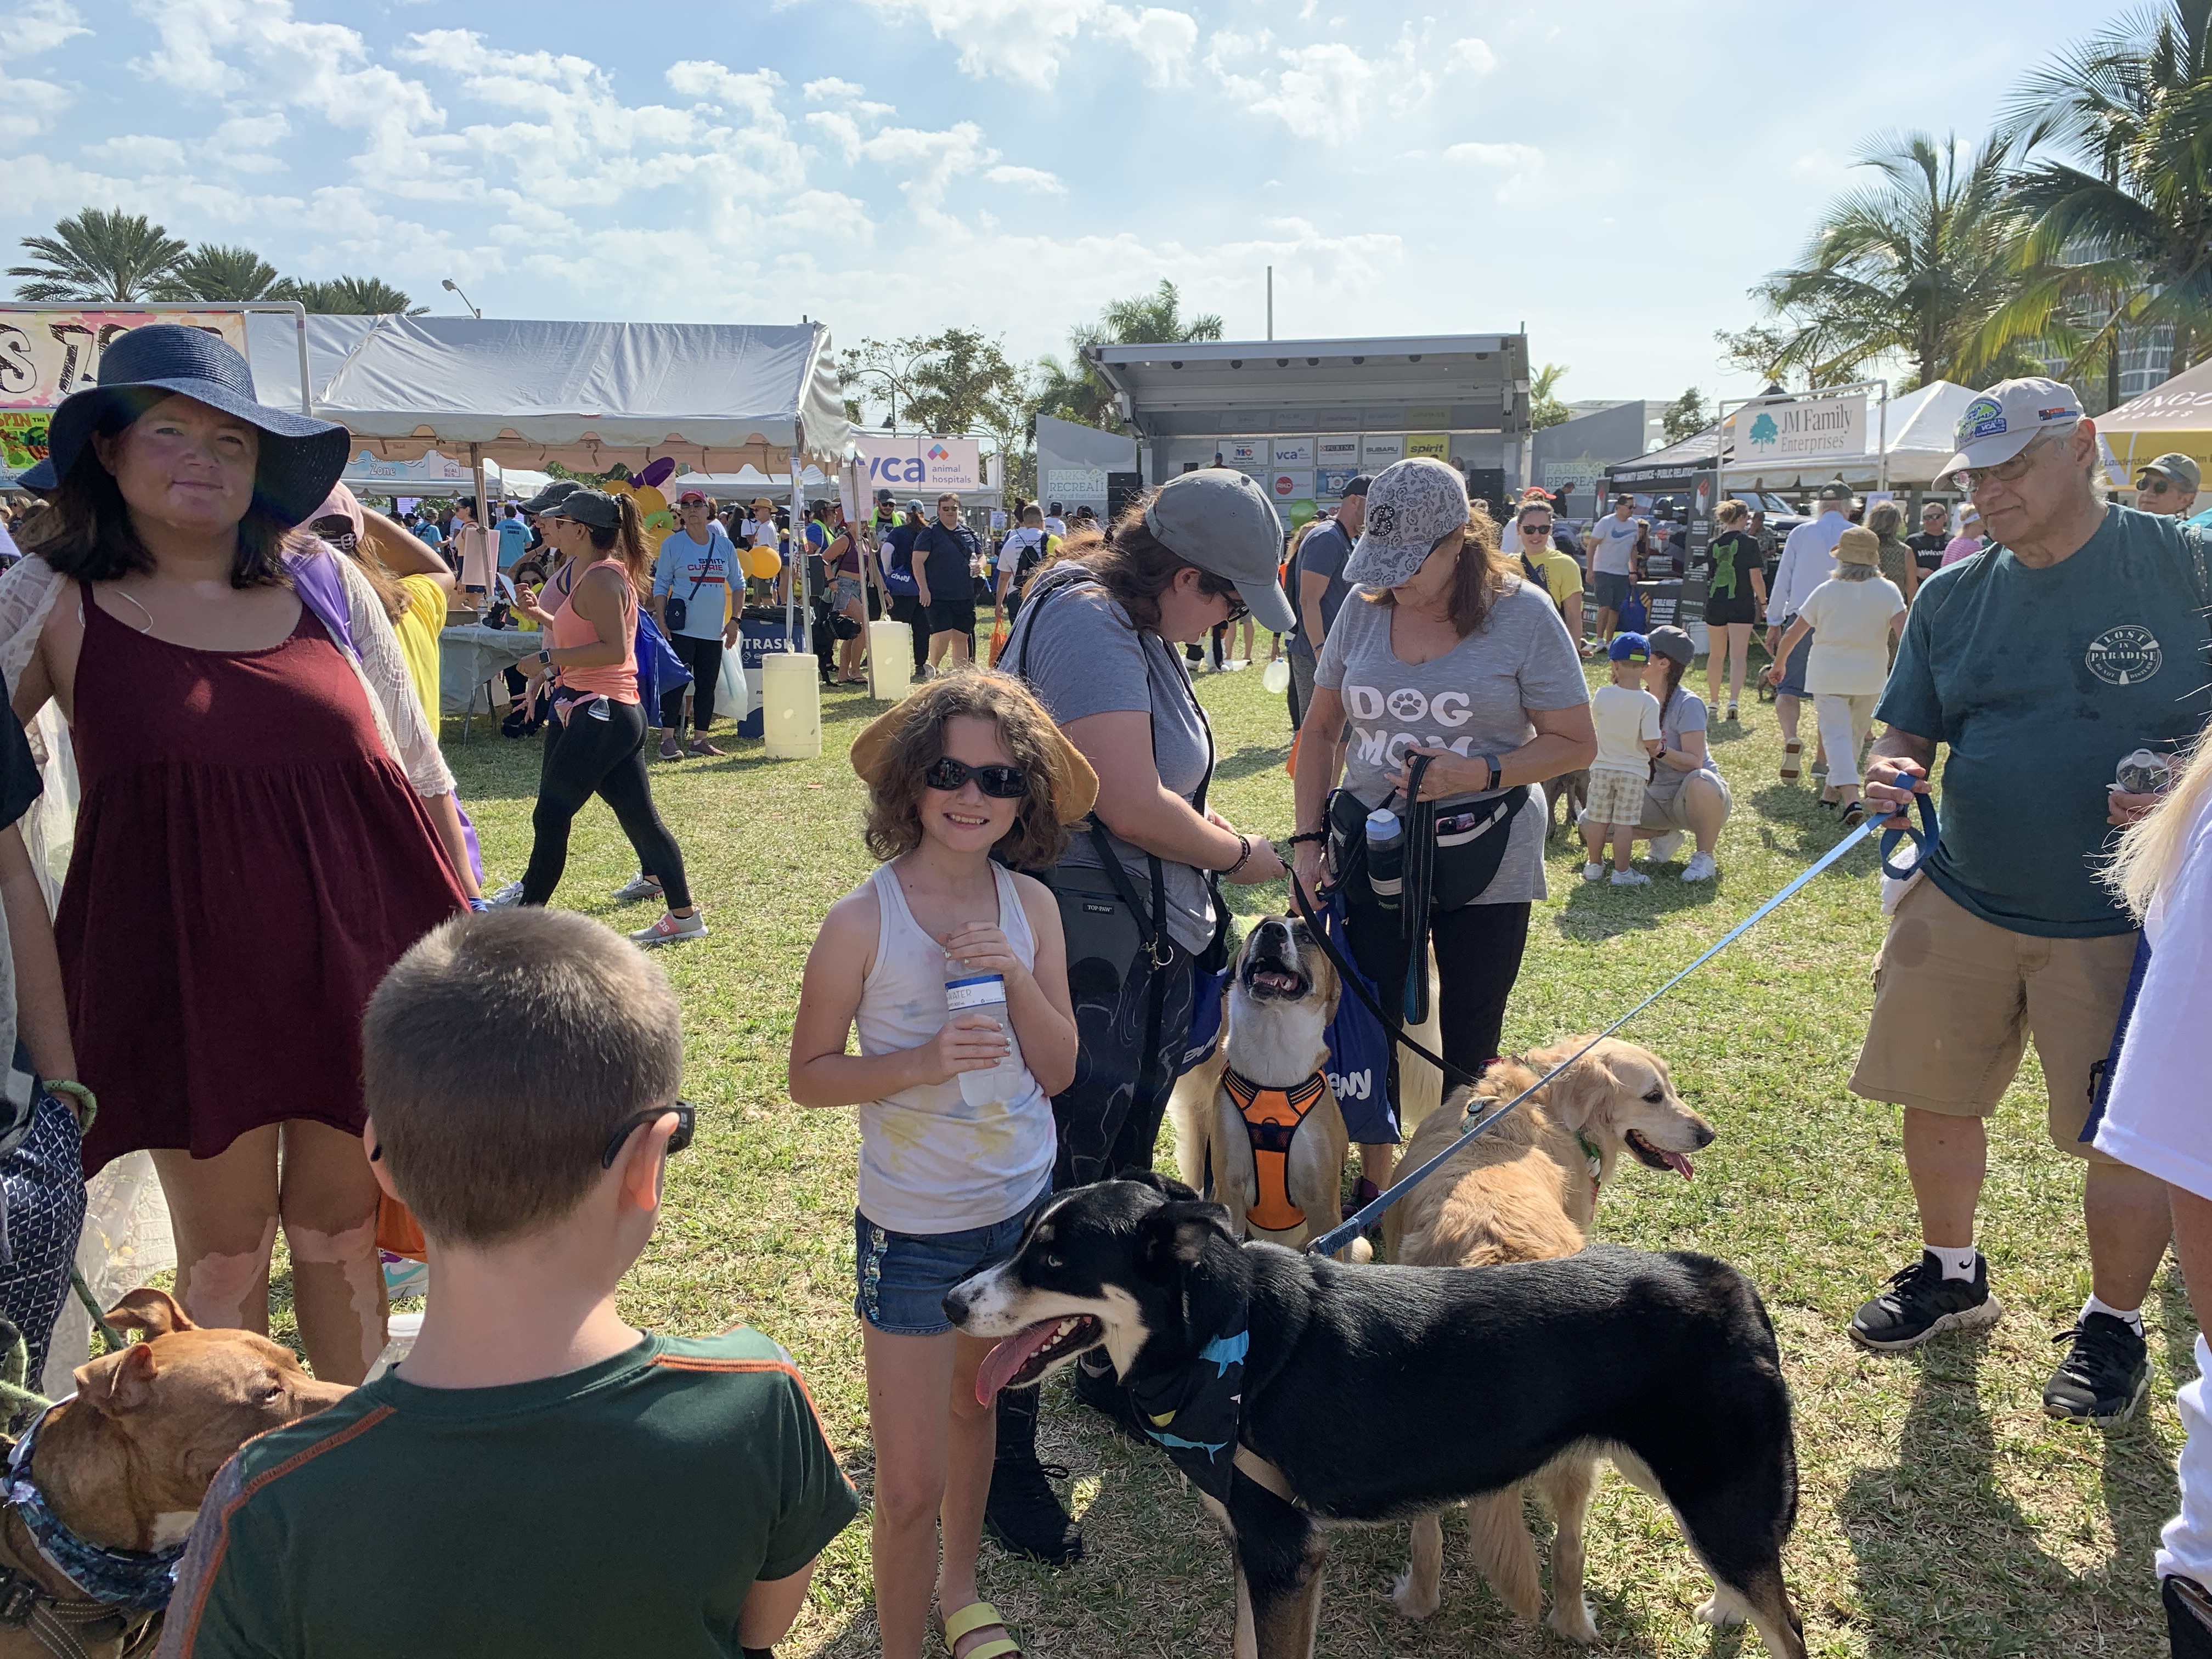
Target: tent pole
column 483, row 525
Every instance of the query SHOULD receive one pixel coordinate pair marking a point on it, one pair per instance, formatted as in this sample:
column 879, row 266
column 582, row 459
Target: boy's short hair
column 501, row 1054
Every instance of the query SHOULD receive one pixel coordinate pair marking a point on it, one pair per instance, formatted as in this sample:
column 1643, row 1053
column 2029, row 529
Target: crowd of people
column 273, row 964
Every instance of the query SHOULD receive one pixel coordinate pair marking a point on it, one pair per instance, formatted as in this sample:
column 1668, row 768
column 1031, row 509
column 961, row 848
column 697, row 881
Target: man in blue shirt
column 2076, row 637
column 513, row 536
column 695, row 568
column 943, row 566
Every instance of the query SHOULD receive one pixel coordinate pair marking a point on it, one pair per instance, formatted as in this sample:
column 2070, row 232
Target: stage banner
column 45, row 354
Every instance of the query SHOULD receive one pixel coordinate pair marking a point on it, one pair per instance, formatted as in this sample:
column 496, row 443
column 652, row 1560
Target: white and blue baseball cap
column 2006, row 418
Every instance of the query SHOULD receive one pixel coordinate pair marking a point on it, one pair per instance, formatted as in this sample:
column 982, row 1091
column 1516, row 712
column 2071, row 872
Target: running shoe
column 2105, row 1374
column 639, row 886
column 1631, row 879
column 1732, row 715
column 669, row 749
column 1593, row 872
column 671, row 928
column 1919, row 1302
column 1854, row 815
column 509, row 895
column 703, row 749
column 1701, row 867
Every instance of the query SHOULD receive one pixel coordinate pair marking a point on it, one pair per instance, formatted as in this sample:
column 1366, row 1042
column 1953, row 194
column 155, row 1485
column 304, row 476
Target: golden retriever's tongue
column 1675, row 1162
column 1008, row 1356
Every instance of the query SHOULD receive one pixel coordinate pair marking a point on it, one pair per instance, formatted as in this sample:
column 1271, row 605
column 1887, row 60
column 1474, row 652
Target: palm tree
column 1913, row 266
column 98, row 256
column 1072, row 391
column 348, row 296
column 213, row 272
column 1545, row 408
column 2117, row 198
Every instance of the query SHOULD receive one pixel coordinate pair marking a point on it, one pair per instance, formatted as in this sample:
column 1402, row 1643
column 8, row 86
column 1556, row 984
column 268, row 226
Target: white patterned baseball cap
column 2006, row 419
column 1412, row 506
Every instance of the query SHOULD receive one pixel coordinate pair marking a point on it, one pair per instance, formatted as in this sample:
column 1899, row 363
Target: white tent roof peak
column 716, row 396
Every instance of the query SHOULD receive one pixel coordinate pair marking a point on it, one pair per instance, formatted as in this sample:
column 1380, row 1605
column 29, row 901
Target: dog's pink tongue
column 1009, row 1357
column 1675, row 1162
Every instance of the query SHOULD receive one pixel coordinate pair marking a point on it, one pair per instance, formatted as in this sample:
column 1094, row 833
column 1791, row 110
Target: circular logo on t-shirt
column 1407, row 704
column 2125, row 656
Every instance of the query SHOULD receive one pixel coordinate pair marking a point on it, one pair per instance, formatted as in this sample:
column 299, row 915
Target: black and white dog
column 1242, row 1358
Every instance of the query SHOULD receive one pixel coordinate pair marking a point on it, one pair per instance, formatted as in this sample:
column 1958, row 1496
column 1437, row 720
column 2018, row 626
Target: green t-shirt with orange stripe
column 625, row 1509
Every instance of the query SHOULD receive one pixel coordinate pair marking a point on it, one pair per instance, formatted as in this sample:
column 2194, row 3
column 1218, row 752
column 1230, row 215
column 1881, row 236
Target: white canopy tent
column 1919, row 439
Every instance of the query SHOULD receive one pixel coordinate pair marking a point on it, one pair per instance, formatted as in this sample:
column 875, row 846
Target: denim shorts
column 1610, row 589
column 902, row 1278
column 1793, row 672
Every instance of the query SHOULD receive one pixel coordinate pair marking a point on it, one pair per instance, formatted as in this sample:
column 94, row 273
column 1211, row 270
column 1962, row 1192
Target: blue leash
column 1924, row 838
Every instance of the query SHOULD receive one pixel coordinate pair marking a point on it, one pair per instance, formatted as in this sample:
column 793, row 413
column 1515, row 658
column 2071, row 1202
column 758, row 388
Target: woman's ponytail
column 630, row 539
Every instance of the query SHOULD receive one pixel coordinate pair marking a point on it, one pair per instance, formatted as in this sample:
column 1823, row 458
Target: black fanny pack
column 1470, row 845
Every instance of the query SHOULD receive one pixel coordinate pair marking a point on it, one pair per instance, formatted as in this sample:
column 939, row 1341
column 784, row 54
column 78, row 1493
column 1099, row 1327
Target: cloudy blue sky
column 1613, row 173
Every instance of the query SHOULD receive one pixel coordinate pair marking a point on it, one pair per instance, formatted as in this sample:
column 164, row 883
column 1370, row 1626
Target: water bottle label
column 982, row 991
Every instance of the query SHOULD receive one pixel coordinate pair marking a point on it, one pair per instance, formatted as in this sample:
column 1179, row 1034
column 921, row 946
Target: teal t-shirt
column 625, row 1509
column 2040, row 680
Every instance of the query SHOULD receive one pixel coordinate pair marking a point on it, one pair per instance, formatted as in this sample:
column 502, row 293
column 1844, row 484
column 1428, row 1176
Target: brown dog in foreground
column 125, row 1463
column 1526, row 1191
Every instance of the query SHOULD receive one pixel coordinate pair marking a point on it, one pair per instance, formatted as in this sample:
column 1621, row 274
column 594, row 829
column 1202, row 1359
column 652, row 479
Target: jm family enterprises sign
column 1805, row 430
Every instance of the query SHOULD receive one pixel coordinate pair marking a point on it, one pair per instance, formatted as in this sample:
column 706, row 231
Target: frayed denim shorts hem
column 901, row 1279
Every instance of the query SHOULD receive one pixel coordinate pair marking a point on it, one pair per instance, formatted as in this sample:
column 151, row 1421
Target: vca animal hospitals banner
column 921, row 464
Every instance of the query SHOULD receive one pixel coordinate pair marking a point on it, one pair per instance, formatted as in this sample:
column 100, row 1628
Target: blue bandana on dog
column 1195, row 1416
column 123, row 1579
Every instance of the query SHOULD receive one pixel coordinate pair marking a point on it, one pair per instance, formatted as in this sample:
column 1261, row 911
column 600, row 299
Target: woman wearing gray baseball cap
column 1095, row 640
column 1443, row 651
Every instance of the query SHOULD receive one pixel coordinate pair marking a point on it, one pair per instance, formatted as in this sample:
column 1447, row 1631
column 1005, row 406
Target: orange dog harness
column 1272, row 1117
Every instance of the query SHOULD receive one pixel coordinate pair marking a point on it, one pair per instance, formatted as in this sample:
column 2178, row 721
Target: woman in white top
column 1853, row 616
column 2155, row 1120
column 957, row 1134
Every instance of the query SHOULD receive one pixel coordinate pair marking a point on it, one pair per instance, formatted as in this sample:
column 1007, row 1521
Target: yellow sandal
column 977, row 1615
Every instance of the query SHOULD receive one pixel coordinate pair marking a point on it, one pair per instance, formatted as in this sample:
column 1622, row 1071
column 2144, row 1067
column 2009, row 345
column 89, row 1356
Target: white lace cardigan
column 28, row 592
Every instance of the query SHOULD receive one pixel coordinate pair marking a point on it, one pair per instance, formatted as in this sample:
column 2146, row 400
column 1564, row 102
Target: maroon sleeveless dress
column 248, row 863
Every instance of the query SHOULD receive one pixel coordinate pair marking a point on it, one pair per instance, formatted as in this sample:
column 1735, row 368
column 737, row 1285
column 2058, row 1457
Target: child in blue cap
column 1627, row 719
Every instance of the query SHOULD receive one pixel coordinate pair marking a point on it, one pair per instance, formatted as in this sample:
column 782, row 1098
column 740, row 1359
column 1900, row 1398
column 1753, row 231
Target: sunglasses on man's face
column 999, row 782
column 2150, row 487
column 686, row 1120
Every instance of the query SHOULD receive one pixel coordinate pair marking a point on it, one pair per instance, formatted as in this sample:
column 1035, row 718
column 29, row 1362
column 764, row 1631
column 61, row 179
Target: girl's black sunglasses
column 999, row 783
column 686, row 1119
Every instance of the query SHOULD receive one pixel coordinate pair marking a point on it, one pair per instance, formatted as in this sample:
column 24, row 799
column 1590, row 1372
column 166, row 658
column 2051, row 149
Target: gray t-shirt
column 1613, row 546
column 1323, row 553
column 1686, row 713
column 1082, row 655
column 1473, row 700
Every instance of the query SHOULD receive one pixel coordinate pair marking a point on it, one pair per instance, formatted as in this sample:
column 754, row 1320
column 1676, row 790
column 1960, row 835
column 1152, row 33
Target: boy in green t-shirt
column 535, row 1477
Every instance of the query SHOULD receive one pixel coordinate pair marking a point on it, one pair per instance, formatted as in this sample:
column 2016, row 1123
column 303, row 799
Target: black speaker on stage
column 1121, row 489
column 1487, row 484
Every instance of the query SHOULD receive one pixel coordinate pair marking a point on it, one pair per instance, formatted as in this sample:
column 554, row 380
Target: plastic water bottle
column 985, row 994
column 1385, row 857
column 1275, row 677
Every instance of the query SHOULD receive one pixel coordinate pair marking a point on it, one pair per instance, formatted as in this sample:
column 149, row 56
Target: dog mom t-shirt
column 1473, row 700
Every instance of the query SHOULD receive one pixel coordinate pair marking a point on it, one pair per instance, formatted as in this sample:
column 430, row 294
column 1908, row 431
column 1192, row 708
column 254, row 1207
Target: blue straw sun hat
column 301, row 456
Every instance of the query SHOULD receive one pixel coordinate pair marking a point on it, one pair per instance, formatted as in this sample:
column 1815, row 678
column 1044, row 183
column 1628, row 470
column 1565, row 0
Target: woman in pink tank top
column 595, row 742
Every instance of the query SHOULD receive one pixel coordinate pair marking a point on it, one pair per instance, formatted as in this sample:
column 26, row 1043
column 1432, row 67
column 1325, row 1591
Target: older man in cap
column 1809, row 557
column 2077, row 637
column 2168, row 485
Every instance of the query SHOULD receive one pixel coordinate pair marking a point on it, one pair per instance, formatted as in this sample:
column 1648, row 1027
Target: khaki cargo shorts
column 1956, row 998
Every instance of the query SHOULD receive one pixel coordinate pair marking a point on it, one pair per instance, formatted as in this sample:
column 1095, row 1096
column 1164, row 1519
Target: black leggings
column 1478, row 948
column 587, row 756
column 704, row 658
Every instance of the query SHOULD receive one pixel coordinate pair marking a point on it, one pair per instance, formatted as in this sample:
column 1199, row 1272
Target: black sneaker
column 2188, row 1617
column 2104, row 1376
column 1023, row 1512
column 1920, row 1302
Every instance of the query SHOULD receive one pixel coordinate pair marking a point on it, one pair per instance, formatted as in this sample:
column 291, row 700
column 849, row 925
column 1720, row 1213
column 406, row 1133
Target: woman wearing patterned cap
column 1444, row 651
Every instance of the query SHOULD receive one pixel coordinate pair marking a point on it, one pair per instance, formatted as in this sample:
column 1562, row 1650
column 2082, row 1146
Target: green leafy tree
column 348, row 296
column 1762, row 350
column 2117, row 193
column 98, row 256
column 1686, row 416
column 953, row 382
column 210, row 271
column 1545, row 408
column 1914, row 266
column 1072, row 391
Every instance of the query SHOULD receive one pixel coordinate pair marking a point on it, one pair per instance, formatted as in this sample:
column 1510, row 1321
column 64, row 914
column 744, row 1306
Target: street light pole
column 453, row 287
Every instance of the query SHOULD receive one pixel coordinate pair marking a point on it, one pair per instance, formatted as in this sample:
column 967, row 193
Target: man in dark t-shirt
column 1935, row 536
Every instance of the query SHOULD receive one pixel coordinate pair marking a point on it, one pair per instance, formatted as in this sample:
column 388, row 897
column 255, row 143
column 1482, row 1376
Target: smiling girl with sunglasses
column 970, row 766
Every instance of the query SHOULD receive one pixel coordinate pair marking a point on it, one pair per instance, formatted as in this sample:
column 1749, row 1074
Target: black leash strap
column 1419, row 888
column 1356, row 984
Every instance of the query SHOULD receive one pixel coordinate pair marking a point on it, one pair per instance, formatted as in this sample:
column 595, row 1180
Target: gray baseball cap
column 1222, row 521
column 2006, row 418
column 1412, row 506
column 2177, row 466
column 559, row 490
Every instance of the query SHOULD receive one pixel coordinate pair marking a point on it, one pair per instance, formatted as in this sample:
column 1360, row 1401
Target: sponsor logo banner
column 1376, row 453
column 1294, row 451
column 1810, row 427
column 898, row 464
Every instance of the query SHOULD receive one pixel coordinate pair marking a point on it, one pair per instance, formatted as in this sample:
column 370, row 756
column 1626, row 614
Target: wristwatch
column 545, row 657
column 1497, row 772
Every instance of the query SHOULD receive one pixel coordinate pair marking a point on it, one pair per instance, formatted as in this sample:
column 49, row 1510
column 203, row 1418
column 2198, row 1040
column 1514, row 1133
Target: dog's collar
column 1596, row 1158
column 1197, row 1414
column 116, row 1578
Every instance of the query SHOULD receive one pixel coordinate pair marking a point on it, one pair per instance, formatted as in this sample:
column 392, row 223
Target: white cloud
column 29, row 109
column 1523, row 164
column 37, row 26
column 1472, row 57
column 830, row 87
column 1029, row 40
column 1028, row 178
column 1162, row 40
column 1324, row 89
column 136, row 153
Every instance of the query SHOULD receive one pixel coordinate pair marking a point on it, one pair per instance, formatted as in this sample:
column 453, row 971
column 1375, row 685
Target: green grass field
column 1942, row 1513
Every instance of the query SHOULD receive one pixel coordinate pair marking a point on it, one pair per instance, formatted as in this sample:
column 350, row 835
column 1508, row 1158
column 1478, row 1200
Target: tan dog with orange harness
column 1258, row 1128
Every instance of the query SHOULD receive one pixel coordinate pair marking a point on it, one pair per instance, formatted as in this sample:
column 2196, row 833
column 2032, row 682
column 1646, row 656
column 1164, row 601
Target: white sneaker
column 1593, row 872
column 1663, row 848
column 1701, row 867
column 639, row 886
column 1631, row 879
column 671, row 928
column 509, row 895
